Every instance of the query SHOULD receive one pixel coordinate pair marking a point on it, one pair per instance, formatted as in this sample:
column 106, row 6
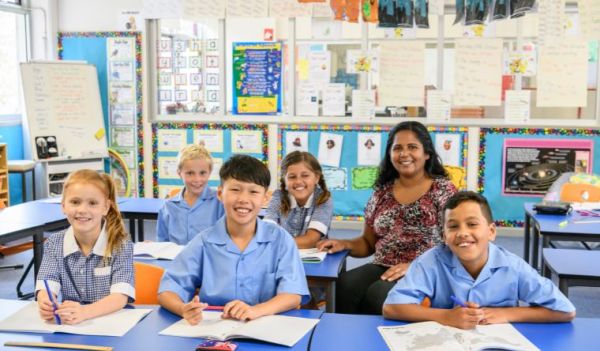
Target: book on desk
column 432, row 335
column 153, row 250
column 312, row 255
column 276, row 329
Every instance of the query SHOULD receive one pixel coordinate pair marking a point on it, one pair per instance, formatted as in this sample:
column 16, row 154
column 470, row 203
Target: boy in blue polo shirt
column 250, row 267
column 471, row 281
column 196, row 206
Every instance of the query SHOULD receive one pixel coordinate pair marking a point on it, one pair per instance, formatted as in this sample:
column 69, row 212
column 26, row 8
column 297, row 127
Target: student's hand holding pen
column 192, row 311
column 331, row 245
column 45, row 306
column 466, row 316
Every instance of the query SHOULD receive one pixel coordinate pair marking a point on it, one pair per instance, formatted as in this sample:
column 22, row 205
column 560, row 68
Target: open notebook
column 27, row 319
column 156, row 250
column 434, row 336
column 282, row 330
column 312, row 255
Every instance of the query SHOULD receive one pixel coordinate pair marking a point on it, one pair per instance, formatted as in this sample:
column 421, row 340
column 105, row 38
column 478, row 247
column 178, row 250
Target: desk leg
column 132, row 228
column 140, row 225
column 526, row 238
column 38, row 252
column 330, row 297
column 545, row 270
column 535, row 248
column 563, row 286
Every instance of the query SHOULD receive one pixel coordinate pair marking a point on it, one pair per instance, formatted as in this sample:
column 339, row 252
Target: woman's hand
column 395, row 272
column 331, row 245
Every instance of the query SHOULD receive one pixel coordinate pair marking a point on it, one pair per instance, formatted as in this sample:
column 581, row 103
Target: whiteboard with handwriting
column 62, row 100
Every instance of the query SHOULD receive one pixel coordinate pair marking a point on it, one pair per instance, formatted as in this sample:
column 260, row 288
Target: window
column 12, row 52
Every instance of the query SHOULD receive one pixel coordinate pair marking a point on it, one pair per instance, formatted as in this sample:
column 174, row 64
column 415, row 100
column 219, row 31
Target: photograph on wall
column 530, row 166
column 212, row 140
column 447, row 145
column 257, row 78
column 296, row 141
column 368, row 149
column 330, row 149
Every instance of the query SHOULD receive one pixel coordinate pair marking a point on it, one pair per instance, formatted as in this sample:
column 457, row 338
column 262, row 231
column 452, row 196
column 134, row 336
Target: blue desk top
column 144, row 336
column 354, row 332
column 328, row 269
column 550, row 224
column 583, row 263
column 140, row 205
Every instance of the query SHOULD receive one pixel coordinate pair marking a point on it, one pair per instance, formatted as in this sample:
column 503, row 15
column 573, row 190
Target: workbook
column 312, row 255
column 282, row 330
column 429, row 336
column 156, row 250
column 27, row 319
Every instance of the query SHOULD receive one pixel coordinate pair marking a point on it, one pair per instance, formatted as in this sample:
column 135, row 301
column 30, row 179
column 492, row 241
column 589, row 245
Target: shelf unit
column 4, row 194
column 55, row 173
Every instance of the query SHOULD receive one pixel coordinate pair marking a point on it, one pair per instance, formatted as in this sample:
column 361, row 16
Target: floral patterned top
column 403, row 232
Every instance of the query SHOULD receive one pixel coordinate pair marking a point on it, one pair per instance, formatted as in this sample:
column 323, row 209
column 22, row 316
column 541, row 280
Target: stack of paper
column 282, row 330
column 27, row 319
column 156, row 250
column 312, row 255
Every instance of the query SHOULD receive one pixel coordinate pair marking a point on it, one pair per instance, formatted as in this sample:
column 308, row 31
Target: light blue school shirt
column 504, row 281
column 179, row 223
column 270, row 265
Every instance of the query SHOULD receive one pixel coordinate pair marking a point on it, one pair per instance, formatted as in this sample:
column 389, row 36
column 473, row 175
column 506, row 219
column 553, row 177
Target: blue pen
column 51, row 297
column 458, row 301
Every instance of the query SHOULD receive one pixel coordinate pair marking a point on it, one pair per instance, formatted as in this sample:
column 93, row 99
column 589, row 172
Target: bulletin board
column 351, row 182
column 221, row 140
column 507, row 207
column 118, row 60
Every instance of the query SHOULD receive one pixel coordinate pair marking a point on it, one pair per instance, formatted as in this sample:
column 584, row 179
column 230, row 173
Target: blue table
column 359, row 332
column 553, row 227
column 573, row 267
column 323, row 274
column 144, row 336
column 136, row 210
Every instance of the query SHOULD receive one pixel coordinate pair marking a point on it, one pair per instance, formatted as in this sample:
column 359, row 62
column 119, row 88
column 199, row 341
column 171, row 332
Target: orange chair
column 173, row 192
column 147, row 281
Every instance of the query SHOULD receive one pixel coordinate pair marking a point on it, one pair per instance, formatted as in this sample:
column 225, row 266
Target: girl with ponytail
column 91, row 263
column 302, row 205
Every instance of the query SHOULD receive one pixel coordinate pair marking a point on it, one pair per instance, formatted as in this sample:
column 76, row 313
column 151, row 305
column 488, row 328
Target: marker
column 51, row 297
column 214, row 308
column 563, row 224
column 457, row 301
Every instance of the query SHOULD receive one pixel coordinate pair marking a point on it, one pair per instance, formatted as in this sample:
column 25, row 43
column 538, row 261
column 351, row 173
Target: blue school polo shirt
column 179, row 223
column 212, row 262
column 505, row 280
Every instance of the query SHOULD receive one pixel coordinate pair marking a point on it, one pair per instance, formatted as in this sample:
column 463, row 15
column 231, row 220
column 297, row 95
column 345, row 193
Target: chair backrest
column 147, row 281
column 173, row 192
column 579, row 193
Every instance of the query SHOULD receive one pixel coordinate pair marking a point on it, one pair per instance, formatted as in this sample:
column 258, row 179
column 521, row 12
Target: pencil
column 58, row 345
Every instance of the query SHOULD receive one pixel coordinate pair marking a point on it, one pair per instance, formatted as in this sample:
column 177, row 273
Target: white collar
column 294, row 203
column 70, row 244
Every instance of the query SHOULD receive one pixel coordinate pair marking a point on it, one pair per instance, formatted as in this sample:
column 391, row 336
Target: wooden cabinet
column 4, row 195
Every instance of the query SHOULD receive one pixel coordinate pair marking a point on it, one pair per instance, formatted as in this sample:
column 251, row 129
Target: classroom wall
column 93, row 15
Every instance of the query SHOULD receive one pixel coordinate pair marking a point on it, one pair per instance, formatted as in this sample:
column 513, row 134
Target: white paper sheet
column 478, row 78
column 156, row 250
column 402, row 77
column 330, row 149
column 517, row 105
column 334, row 99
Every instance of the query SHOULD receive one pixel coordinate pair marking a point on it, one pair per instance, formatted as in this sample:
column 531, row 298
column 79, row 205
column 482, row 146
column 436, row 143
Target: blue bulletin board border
column 190, row 128
column 508, row 210
column 102, row 69
column 343, row 199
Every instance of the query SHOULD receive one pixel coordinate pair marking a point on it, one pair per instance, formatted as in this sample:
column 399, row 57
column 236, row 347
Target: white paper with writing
column 402, row 78
column 478, row 72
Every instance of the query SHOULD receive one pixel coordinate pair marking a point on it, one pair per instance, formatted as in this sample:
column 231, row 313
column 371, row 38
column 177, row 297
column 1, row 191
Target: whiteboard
column 62, row 104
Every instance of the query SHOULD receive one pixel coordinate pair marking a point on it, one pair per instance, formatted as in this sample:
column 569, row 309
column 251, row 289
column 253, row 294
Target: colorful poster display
column 530, row 166
column 257, row 78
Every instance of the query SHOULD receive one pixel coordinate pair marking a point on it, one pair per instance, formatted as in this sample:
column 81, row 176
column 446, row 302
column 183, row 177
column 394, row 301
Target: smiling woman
column 402, row 219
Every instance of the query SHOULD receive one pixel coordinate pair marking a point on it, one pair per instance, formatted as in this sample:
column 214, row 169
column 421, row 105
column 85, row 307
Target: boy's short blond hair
column 193, row 152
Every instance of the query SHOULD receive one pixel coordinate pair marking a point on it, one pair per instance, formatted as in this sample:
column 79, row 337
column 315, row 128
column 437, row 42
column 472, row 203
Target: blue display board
column 508, row 209
column 222, row 141
column 351, row 182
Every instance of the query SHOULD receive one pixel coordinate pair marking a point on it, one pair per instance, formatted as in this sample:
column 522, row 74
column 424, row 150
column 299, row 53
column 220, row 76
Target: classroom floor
column 585, row 299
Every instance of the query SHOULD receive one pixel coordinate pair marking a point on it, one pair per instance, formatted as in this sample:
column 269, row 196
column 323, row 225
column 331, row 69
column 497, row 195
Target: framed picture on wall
column 530, row 166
